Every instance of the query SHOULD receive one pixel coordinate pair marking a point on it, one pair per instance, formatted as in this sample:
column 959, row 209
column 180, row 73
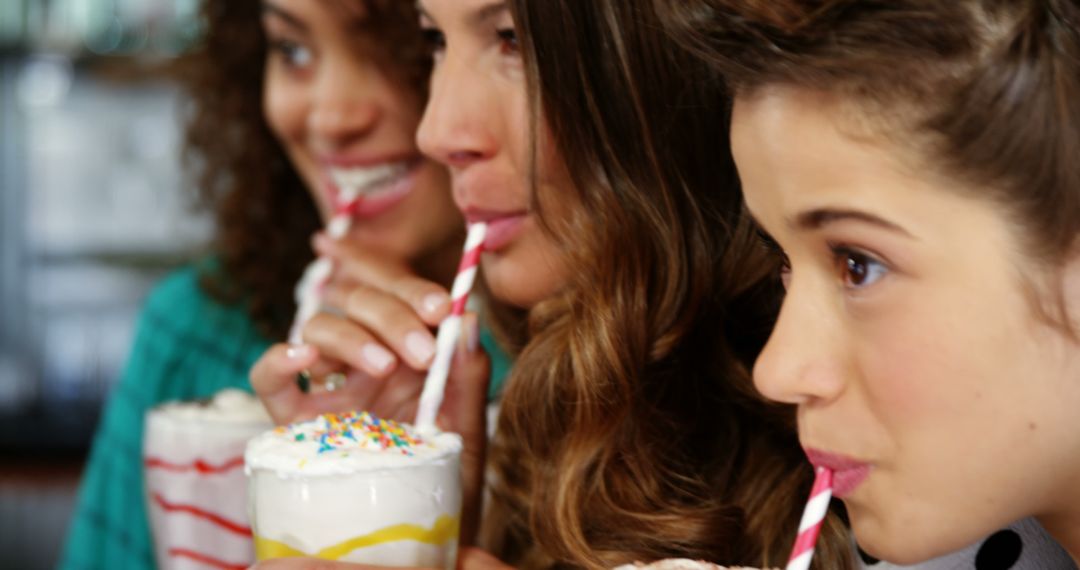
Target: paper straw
column 450, row 329
column 309, row 290
column 813, row 516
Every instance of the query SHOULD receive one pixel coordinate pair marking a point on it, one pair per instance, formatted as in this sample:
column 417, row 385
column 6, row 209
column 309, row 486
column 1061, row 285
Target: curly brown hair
column 629, row 429
column 264, row 212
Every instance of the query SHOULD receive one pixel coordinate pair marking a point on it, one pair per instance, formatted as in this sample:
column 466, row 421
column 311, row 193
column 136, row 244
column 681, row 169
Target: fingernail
column 471, row 334
column 377, row 357
column 298, row 352
column 420, row 345
column 433, row 302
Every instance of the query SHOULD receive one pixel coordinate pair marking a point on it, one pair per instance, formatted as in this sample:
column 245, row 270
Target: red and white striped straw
column 309, row 290
column 450, row 329
column 813, row 516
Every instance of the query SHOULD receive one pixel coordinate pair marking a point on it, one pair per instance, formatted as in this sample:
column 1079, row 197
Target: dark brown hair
column 264, row 213
column 986, row 91
column 629, row 429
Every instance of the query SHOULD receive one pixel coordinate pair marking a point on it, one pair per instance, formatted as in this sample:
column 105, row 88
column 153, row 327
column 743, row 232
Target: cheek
column 942, row 368
column 511, row 125
column 284, row 108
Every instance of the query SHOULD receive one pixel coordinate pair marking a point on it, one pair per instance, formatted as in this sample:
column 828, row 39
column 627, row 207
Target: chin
column 896, row 544
column 516, row 287
column 520, row 277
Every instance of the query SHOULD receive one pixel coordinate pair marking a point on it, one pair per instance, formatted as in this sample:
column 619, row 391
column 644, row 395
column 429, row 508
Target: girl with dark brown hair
column 286, row 97
column 628, row 431
column 916, row 162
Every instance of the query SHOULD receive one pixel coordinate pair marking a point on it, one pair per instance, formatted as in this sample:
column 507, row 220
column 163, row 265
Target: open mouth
column 370, row 181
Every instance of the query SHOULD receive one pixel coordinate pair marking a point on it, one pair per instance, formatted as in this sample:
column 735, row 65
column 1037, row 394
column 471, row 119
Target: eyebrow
column 478, row 17
column 819, row 218
column 271, row 9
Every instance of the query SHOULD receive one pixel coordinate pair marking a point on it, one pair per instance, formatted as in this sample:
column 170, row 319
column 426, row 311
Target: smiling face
column 477, row 124
column 344, row 118
column 908, row 338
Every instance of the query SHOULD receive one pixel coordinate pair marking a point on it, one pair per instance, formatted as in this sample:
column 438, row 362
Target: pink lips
column 848, row 473
column 503, row 227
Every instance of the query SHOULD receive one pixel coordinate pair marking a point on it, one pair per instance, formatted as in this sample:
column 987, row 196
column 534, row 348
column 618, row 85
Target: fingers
column 464, row 411
column 395, row 323
column 465, row 398
column 347, row 342
column 273, row 377
column 428, row 300
column 473, row 558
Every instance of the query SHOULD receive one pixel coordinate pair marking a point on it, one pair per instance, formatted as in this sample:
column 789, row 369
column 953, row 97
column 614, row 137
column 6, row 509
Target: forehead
column 808, row 145
column 801, row 151
column 471, row 11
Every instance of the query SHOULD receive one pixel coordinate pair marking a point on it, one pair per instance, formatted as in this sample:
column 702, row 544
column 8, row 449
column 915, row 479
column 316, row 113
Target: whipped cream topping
column 347, row 443
column 229, row 406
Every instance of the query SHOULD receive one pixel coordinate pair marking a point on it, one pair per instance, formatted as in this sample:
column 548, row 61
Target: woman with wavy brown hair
column 286, row 96
column 628, row 431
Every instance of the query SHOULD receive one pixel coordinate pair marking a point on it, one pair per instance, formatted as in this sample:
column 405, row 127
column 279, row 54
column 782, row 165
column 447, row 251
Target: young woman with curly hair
column 285, row 94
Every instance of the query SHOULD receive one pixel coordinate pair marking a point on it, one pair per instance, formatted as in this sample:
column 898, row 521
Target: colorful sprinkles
column 351, row 430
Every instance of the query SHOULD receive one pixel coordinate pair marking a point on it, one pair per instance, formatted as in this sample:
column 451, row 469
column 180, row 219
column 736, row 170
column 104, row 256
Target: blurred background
column 93, row 209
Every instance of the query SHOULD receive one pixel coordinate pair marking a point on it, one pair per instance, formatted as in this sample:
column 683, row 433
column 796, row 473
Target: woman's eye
column 859, row 269
column 434, row 40
column 508, row 41
column 292, row 53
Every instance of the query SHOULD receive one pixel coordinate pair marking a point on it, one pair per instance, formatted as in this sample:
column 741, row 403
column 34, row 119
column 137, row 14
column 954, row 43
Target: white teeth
column 356, row 181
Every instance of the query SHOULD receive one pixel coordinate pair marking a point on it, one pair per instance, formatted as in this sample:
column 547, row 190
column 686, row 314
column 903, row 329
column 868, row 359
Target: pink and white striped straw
column 813, row 516
column 450, row 329
column 309, row 290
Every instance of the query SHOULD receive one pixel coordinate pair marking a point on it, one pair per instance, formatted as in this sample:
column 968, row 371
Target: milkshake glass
column 357, row 488
column 195, row 484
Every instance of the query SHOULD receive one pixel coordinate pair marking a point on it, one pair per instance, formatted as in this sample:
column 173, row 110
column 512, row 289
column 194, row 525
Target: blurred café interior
column 93, row 209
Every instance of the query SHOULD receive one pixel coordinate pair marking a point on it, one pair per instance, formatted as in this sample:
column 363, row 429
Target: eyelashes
column 854, row 268
column 508, row 41
column 435, row 40
column 293, row 54
column 858, row 269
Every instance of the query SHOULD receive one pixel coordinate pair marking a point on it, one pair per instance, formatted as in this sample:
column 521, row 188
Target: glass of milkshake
column 196, row 490
column 356, row 488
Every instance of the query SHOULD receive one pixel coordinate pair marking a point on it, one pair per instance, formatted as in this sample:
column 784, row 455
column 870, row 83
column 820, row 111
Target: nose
column 802, row 363
column 457, row 128
column 347, row 102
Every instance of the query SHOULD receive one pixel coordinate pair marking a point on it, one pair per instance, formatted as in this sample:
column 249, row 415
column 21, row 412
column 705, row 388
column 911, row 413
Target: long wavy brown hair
column 629, row 429
column 264, row 213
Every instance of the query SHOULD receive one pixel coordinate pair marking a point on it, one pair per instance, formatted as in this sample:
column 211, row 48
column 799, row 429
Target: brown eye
column 508, row 42
column 859, row 269
column 292, row 53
